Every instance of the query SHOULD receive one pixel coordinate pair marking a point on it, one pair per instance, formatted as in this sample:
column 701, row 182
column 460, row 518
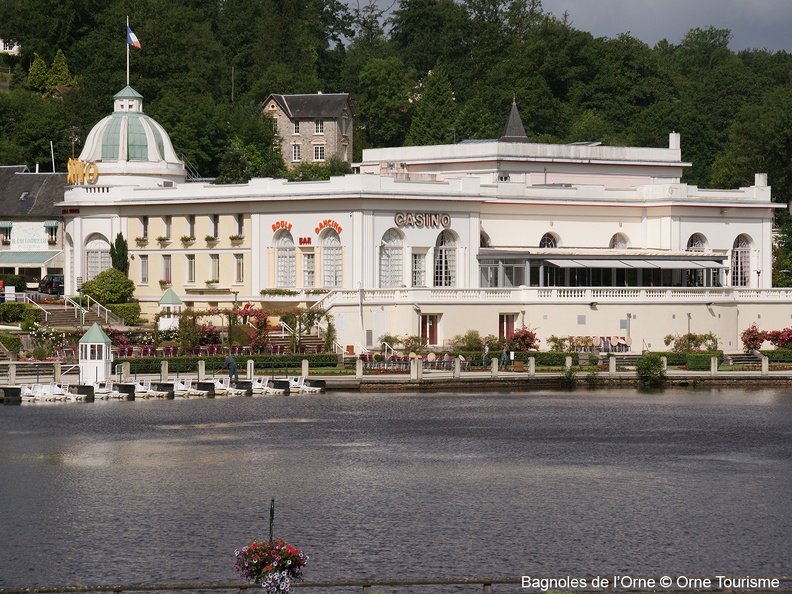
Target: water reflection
column 430, row 485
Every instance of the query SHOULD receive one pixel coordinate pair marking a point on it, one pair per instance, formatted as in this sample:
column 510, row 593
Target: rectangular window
column 5, row 234
column 167, row 220
column 191, row 225
column 309, row 269
column 319, row 127
column 216, row 225
column 166, row 268
column 190, row 271
column 144, row 227
column 319, row 153
column 214, row 267
column 239, row 268
column 52, row 234
column 506, row 323
column 419, row 270
column 144, row 277
column 295, row 152
column 296, row 126
column 240, row 224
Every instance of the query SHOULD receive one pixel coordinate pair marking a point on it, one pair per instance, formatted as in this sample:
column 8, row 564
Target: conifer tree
column 435, row 114
column 58, row 74
column 38, row 75
column 118, row 254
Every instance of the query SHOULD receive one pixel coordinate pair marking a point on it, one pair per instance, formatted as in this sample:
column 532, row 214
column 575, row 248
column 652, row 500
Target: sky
column 755, row 24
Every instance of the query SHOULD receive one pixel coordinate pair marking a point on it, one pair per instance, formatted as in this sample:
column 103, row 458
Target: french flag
column 132, row 38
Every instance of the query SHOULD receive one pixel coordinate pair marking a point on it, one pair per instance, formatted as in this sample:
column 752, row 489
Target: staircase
column 58, row 317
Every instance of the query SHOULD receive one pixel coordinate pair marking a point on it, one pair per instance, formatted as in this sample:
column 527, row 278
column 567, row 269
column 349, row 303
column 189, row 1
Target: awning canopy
column 6, row 224
column 50, row 223
column 662, row 264
column 22, row 258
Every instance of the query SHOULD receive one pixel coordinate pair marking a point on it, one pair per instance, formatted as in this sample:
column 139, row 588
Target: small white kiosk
column 95, row 355
column 170, row 306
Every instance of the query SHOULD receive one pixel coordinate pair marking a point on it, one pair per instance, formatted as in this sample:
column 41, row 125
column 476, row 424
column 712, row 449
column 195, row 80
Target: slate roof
column 316, row 105
column 25, row 195
column 514, row 130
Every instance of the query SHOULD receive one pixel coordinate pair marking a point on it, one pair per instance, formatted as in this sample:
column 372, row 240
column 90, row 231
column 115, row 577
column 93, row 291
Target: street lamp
column 231, row 320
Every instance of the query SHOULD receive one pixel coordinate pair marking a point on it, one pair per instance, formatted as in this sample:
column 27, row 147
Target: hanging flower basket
column 274, row 564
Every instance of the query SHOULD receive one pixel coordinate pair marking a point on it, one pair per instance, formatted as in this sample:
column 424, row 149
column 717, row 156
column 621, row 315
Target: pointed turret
column 514, row 130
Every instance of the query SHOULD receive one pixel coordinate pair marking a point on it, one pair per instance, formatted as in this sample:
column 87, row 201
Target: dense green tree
column 119, row 254
column 58, row 74
column 384, row 102
column 110, row 286
column 38, row 75
column 435, row 113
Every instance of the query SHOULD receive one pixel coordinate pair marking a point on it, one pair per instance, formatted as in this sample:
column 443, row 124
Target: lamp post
column 231, row 320
column 82, row 311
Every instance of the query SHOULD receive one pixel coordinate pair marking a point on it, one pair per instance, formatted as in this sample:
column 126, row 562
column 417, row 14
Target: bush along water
column 650, row 371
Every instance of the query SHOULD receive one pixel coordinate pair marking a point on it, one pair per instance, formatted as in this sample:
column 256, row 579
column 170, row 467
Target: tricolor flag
column 132, row 38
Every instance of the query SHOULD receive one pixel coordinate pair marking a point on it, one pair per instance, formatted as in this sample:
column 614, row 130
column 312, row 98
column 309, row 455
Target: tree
column 119, row 254
column 38, row 74
column 436, row 112
column 110, row 286
column 384, row 102
column 58, row 74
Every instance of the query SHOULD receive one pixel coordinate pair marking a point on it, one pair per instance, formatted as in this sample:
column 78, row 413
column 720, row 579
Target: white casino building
column 571, row 240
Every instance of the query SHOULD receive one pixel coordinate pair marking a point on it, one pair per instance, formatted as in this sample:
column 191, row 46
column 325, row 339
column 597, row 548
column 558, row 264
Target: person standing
column 231, row 365
column 504, row 358
column 486, row 352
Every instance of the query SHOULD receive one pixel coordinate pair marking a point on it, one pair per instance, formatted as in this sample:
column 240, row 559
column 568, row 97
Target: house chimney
column 674, row 141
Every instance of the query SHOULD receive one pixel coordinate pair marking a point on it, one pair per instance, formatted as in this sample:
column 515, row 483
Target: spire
column 514, row 130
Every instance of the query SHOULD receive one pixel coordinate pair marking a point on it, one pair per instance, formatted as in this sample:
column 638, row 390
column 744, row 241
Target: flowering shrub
column 117, row 337
column 524, row 339
column 691, row 343
column 752, row 338
column 273, row 564
column 208, row 335
column 780, row 339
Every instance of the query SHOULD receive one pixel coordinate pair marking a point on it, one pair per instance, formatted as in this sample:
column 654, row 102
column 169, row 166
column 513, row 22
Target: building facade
column 571, row 240
column 31, row 228
column 312, row 128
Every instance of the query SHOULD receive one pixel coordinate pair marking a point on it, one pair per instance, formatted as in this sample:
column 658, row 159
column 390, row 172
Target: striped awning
column 50, row 223
column 22, row 258
column 6, row 224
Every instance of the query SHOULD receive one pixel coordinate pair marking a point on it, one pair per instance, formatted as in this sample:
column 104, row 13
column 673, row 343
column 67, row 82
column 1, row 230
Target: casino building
column 571, row 240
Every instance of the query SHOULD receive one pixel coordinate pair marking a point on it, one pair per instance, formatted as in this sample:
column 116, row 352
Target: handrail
column 286, row 327
column 31, row 302
column 77, row 307
column 663, row 584
column 99, row 308
column 387, row 346
column 243, row 587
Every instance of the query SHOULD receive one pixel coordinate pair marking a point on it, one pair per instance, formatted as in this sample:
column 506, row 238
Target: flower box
column 187, row 238
column 164, row 283
column 210, row 239
column 6, row 242
column 52, row 241
column 212, row 282
column 141, row 239
column 163, row 239
column 236, row 238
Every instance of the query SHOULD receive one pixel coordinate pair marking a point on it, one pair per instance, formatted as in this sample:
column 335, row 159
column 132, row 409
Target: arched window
column 445, row 260
column 619, row 242
column 332, row 265
column 391, row 259
column 696, row 243
column 741, row 262
column 97, row 256
column 285, row 253
column 548, row 241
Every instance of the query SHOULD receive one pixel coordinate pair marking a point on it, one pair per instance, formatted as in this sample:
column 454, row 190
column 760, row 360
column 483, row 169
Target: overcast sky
column 763, row 24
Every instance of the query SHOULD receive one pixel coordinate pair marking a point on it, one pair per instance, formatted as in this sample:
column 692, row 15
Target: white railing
column 100, row 309
column 387, row 348
column 29, row 301
column 527, row 295
column 76, row 307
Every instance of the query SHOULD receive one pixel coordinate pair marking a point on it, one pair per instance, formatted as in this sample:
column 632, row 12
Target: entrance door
column 429, row 329
column 506, row 325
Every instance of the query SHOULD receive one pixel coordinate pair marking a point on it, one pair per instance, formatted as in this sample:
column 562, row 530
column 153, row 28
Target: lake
column 582, row 483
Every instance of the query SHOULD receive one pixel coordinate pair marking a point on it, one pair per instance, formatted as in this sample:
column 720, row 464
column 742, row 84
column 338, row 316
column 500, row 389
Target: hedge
column 19, row 282
column 10, row 342
column 19, row 312
column 190, row 363
column 130, row 312
column 778, row 356
column 701, row 361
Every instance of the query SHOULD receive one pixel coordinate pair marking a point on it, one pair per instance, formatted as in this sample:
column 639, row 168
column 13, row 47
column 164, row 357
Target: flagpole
column 126, row 34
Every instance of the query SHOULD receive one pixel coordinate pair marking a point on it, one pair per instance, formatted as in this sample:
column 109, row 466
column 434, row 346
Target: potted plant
column 6, row 241
column 52, row 241
column 236, row 238
column 210, row 239
column 164, row 283
column 274, row 564
column 163, row 239
column 187, row 238
column 212, row 281
column 141, row 239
